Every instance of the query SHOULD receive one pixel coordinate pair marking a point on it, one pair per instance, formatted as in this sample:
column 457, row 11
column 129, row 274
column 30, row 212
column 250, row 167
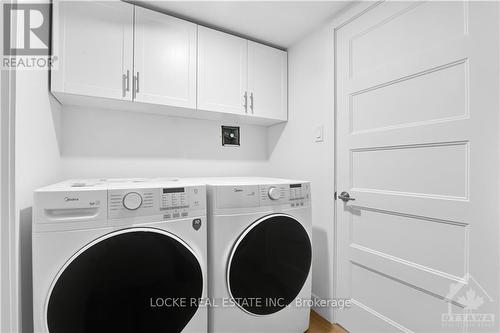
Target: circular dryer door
column 269, row 264
column 127, row 281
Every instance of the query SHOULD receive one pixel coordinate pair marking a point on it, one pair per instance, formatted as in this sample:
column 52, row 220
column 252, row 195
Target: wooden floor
column 319, row 325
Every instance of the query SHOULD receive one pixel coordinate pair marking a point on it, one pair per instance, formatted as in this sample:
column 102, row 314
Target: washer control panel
column 177, row 202
column 171, row 202
column 174, row 198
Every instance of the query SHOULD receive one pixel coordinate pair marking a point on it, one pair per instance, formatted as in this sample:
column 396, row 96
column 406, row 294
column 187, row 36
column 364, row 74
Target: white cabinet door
column 164, row 59
column 222, row 71
column 94, row 46
column 267, row 81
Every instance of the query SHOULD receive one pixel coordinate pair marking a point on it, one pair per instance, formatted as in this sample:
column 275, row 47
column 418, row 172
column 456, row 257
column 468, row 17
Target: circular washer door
column 269, row 264
column 113, row 285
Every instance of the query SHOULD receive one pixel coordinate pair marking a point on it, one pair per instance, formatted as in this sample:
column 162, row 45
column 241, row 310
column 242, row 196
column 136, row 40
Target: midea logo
column 70, row 199
column 238, row 190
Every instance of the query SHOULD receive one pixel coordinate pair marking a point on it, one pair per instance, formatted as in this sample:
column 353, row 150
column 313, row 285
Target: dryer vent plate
column 231, row 136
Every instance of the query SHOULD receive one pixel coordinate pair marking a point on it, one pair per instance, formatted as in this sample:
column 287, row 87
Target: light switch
column 318, row 134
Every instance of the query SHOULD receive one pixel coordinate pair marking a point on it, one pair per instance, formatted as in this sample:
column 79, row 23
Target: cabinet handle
column 137, row 83
column 126, row 83
column 251, row 102
column 128, row 80
column 245, row 105
column 135, row 88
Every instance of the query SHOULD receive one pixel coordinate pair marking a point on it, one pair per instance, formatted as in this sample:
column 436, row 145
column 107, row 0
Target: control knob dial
column 132, row 200
column 274, row 193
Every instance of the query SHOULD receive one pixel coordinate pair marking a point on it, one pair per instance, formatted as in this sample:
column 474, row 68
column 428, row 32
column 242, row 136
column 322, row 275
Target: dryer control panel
column 296, row 195
column 249, row 196
column 171, row 202
column 300, row 194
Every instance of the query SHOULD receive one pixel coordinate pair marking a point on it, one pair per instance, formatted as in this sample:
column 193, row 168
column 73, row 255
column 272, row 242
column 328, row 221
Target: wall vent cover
column 230, row 136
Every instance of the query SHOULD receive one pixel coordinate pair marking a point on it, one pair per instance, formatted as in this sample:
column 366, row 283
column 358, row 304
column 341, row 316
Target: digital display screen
column 295, row 185
column 174, row 190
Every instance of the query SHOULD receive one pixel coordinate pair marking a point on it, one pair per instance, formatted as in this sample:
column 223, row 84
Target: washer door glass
column 269, row 264
column 127, row 282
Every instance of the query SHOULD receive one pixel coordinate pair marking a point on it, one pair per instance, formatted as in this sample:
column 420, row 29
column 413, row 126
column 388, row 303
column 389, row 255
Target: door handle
column 345, row 197
column 245, row 105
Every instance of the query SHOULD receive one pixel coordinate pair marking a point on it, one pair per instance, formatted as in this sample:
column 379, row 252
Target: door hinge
column 335, row 195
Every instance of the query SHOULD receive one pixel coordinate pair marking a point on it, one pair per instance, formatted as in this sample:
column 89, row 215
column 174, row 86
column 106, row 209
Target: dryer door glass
column 127, row 282
column 269, row 264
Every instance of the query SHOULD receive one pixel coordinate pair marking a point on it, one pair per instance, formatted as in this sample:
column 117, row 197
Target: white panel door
column 95, row 40
column 222, row 72
column 164, row 59
column 418, row 149
column 267, row 81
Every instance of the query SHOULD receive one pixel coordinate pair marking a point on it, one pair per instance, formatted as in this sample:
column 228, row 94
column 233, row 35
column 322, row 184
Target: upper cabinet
column 222, row 71
column 164, row 59
column 94, row 45
column 240, row 76
column 267, row 81
column 118, row 55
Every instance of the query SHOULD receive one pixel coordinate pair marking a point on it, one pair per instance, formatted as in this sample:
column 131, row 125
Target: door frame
column 348, row 16
column 8, row 263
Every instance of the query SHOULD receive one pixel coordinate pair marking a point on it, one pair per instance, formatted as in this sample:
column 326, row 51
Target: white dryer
column 118, row 256
column 260, row 255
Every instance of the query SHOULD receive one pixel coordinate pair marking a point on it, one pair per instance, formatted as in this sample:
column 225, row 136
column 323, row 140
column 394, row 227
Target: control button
column 184, row 214
column 132, row 201
column 176, row 215
column 175, row 200
column 167, row 216
column 182, row 199
column 167, row 200
column 274, row 193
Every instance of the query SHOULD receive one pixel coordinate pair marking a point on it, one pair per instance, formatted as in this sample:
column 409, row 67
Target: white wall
column 37, row 164
column 294, row 152
column 106, row 143
column 7, row 203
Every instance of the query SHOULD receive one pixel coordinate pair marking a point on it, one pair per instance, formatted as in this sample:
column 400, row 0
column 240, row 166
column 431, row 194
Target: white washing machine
column 260, row 252
column 120, row 256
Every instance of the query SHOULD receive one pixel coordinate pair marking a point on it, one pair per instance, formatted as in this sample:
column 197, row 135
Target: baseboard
column 325, row 312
